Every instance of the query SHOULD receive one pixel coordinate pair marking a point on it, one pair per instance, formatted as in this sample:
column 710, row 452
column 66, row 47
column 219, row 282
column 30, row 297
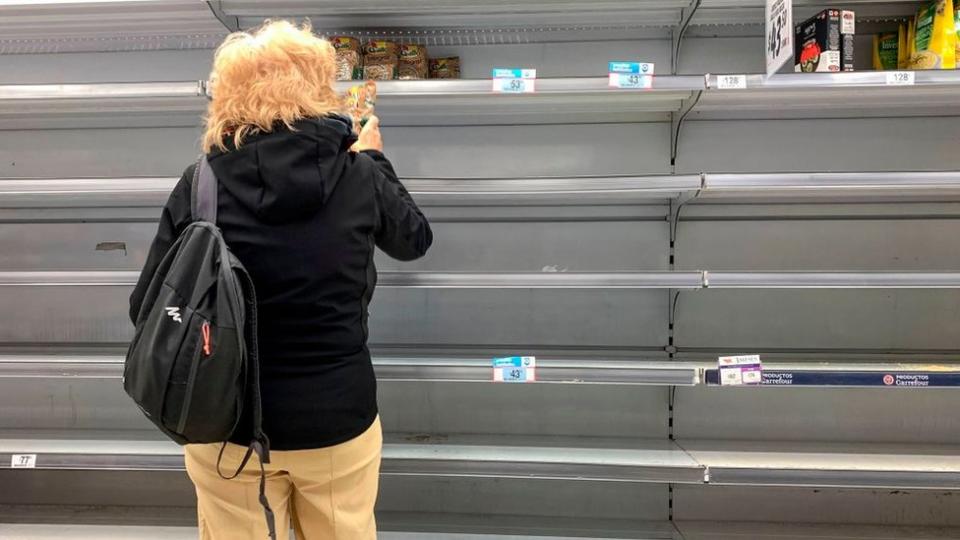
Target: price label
column 901, row 78
column 631, row 74
column 731, row 82
column 514, row 81
column 740, row 370
column 779, row 33
column 515, row 369
column 23, row 461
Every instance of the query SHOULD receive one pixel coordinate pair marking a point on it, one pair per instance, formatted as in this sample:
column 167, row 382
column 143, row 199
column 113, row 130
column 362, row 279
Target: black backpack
column 193, row 359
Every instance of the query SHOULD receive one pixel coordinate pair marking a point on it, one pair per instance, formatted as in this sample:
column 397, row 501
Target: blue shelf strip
column 889, row 379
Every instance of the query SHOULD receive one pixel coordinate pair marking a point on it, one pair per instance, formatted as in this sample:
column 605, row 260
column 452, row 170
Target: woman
column 303, row 201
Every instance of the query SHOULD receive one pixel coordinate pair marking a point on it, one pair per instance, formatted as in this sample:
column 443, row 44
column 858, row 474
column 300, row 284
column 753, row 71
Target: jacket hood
column 287, row 174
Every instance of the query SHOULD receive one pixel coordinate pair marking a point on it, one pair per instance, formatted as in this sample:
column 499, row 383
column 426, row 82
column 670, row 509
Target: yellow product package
column 903, row 53
column 934, row 44
column 886, row 49
column 359, row 103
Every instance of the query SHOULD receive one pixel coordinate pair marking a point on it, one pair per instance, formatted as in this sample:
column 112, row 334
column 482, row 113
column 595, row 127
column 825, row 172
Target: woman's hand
column 370, row 138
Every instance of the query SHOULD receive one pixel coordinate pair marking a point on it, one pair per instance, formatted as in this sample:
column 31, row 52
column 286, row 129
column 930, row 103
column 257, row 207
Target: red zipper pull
column 206, row 338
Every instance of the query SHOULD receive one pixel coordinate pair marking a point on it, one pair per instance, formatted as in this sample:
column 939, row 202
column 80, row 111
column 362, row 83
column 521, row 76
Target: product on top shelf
column 956, row 10
column 886, row 51
column 934, row 38
column 380, row 60
column 824, row 43
column 413, row 62
column 360, row 101
column 445, row 68
column 903, row 50
column 348, row 57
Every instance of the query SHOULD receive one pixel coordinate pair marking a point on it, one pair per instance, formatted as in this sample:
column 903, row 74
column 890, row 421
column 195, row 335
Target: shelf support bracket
column 231, row 23
column 676, row 124
column 678, row 32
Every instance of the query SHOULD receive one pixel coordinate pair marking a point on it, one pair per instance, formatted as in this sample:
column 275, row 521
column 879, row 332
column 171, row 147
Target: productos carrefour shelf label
column 740, row 370
column 631, row 74
column 515, row 369
column 514, row 80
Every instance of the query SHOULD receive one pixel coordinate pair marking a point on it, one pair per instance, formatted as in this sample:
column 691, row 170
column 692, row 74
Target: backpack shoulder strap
column 203, row 200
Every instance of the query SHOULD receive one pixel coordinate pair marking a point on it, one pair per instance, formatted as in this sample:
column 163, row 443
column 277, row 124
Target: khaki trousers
column 326, row 494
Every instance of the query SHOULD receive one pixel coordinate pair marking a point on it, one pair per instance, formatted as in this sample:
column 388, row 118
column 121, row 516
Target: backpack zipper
column 207, row 345
column 192, row 378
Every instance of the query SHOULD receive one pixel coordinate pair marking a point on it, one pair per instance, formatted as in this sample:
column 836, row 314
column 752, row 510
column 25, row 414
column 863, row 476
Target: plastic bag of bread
column 445, row 68
column 413, row 62
column 349, row 66
column 934, row 44
column 380, row 60
column 360, row 102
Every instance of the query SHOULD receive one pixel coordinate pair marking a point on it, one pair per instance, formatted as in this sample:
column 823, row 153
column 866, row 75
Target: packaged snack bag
column 445, row 68
column 359, row 102
column 413, row 62
column 380, row 60
column 348, row 57
column 934, row 44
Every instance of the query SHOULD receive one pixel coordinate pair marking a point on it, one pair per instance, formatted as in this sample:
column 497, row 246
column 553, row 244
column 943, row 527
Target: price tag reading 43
column 779, row 19
column 514, row 81
column 740, row 370
column 515, row 369
column 631, row 75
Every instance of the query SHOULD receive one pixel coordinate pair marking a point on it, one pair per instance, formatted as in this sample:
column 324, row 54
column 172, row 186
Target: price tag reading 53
column 631, row 74
column 515, row 369
column 514, row 81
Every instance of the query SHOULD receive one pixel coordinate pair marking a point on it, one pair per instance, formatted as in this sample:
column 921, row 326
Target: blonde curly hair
column 277, row 72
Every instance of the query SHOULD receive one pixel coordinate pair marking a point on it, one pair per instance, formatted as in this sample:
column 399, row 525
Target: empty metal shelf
column 800, row 463
column 396, row 369
column 446, row 456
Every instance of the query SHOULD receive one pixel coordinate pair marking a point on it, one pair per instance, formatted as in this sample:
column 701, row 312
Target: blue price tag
column 631, row 74
column 514, row 80
column 519, row 369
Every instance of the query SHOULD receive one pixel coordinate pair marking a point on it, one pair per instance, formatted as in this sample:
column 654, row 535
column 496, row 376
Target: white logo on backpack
column 174, row 313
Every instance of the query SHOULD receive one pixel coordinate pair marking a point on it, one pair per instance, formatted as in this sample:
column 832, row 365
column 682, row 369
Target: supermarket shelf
column 152, row 192
column 391, row 526
column 830, row 95
column 743, row 463
column 678, row 280
column 832, row 280
column 426, row 280
column 853, row 374
column 713, row 530
column 471, row 102
column 620, row 372
column 441, row 456
column 80, row 26
column 800, row 463
column 52, row 106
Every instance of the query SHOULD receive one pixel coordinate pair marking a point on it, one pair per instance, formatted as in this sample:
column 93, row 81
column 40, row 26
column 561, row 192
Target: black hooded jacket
column 303, row 214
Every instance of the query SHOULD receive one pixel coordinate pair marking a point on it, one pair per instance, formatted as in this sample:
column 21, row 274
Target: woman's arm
column 174, row 218
column 402, row 232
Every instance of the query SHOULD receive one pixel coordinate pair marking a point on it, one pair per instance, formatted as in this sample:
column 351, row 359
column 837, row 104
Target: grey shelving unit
column 625, row 238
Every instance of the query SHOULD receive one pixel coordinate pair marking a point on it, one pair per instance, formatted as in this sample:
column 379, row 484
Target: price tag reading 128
column 515, row 369
column 900, row 78
column 514, row 81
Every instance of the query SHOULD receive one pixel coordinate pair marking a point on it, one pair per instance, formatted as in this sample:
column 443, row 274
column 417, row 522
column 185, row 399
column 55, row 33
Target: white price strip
column 731, row 82
column 637, row 75
column 515, row 369
column 901, row 78
column 514, row 81
column 779, row 33
column 23, row 461
column 740, row 370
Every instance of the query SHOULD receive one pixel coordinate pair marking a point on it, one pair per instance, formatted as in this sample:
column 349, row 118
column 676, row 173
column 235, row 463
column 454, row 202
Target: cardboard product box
column 824, row 42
